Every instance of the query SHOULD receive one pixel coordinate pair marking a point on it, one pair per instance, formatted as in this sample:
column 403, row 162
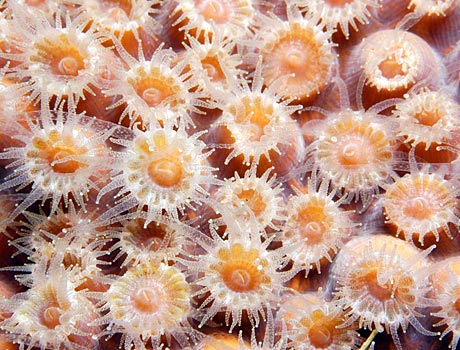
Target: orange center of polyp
column 311, row 221
column 145, row 300
column 60, row 152
column 390, row 67
column 353, row 153
column 55, row 149
column 116, row 7
column 218, row 11
column 50, row 317
column 320, row 329
column 154, row 88
column 299, row 56
column 338, row 3
column 61, row 55
column 68, row 66
column 213, row 68
column 254, row 200
column 166, row 172
column 240, row 276
column 255, row 116
column 240, row 269
column 418, row 208
column 428, row 118
column 377, row 290
column 321, row 336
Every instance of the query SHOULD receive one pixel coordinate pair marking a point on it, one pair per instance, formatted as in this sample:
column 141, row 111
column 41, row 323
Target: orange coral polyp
column 240, row 269
column 421, row 204
column 297, row 54
column 391, row 68
column 213, row 69
column 355, row 151
column 381, row 291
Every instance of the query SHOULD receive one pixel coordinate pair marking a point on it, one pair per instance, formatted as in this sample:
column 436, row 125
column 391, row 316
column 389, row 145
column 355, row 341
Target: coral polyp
column 65, row 59
column 315, row 225
column 427, row 118
column 163, row 169
column 149, row 302
column 355, row 151
column 52, row 314
column 340, row 14
column 255, row 126
column 238, row 275
column 385, row 286
column 149, row 85
column 389, row 63
column 298, row 49
column 420, row 204
column 314, row 323
column 255, row 196
column 57, row 155
column 136, row 242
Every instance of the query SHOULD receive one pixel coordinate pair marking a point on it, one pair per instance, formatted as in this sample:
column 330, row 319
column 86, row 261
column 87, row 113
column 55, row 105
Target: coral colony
column 229, row 174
